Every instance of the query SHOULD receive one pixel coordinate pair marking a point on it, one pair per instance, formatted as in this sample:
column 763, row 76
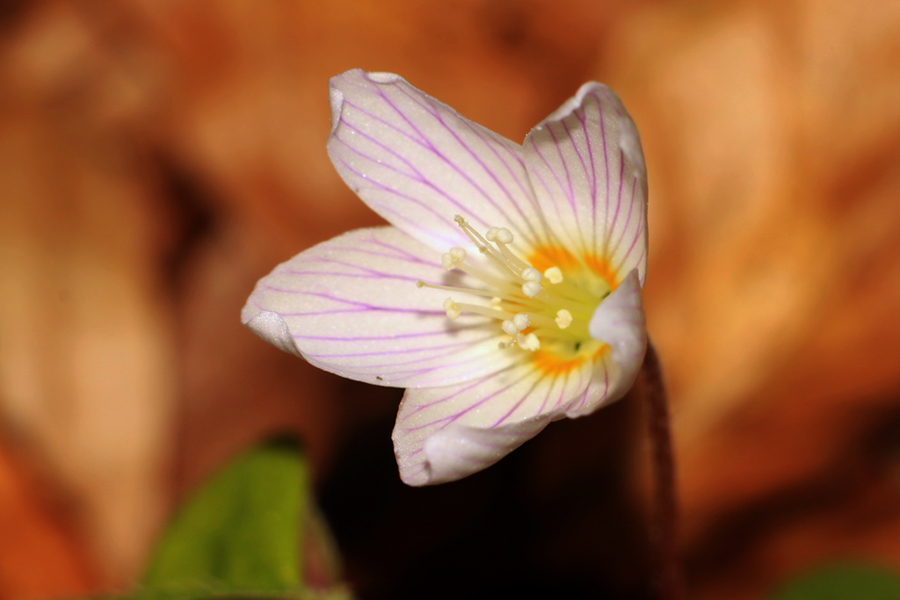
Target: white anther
column 447, row 261
column 420, row 284
column 491, row 234
column 529, row 342
column 452, row 309
column 531, row 288
column 553, row 275
column 532, row 274
column 563, row 318
column 521, row 321
column 509, row 327
column 504, row 236
column 458, row 254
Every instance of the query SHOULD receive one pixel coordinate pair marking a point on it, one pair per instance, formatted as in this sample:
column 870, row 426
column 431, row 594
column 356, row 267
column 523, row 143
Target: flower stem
column 665, row 517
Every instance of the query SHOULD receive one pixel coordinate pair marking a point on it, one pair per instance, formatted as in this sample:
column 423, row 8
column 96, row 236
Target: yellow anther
column 454, row 258
column 447, row 261
column 563, row 318
column 452, row 309
column 553, row 275
column 529, row 342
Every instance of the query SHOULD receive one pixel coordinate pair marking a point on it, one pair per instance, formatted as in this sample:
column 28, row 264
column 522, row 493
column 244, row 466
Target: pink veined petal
column 351, row 306
column 445, row 434
column 587, row 170
column 619, row 321
column 418, row 163
column 459, row 451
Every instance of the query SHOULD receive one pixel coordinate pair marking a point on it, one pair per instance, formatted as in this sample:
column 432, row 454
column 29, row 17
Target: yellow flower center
column 542, row 303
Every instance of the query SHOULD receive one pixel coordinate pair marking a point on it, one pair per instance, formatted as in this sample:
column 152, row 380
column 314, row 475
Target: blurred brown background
column 157, row 157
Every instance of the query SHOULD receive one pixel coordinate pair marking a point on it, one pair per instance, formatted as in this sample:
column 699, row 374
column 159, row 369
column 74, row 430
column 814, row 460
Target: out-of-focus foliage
column 843, row 582
column 241, row 534
column 241, row 530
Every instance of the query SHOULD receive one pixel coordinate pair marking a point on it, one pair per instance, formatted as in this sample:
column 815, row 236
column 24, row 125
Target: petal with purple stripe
column 351, row 306
column 418, row 163
column 587, row 170
column 444, row 434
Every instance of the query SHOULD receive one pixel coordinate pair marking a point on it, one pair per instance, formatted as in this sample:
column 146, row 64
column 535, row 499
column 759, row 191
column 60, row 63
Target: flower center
column 543, row 302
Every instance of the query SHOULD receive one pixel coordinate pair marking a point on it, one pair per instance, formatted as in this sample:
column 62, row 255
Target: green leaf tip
column 241, row 530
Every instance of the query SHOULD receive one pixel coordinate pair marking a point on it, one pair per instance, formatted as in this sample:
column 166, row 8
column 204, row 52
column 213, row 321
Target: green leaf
column 843, row 581
column 241, row 531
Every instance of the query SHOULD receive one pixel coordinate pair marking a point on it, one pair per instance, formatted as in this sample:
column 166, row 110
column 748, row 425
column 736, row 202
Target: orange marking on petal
column 545, row 257
column 601, row 267
column 553, row 365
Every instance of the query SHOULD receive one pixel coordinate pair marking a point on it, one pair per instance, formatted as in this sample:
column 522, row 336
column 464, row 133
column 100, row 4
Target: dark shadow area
column 554, row 519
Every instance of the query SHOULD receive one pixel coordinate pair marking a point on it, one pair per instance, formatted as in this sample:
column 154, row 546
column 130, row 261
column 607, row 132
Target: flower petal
column 444, row 434
column 619, row 321
column 351, row 306
column 418, row 163
column 587, row 169
column 459, row 451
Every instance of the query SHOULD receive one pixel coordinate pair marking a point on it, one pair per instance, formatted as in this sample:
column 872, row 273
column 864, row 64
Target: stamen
column 509, row 327
column 471, row 233
column 518, row 323
column 548, row 306
column 514, row 260
column 529, row 342
column 504, row 236
column 452, row 309
column 556, row 334
column 532, row 274
column 485, row 311
column 453, row 259
column 553, row 275
column 531, row 288
column 521, row 321
column 451, row 288
column 501, row 285
column 498, row 257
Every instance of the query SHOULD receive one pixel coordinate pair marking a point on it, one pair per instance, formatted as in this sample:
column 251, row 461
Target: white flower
column 505, row 294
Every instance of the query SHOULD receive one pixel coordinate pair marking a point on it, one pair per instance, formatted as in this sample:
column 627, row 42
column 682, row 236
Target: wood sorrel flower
column 505, row 294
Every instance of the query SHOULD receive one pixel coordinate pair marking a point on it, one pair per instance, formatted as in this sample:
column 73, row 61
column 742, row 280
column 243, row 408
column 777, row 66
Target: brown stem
column 665, row 516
